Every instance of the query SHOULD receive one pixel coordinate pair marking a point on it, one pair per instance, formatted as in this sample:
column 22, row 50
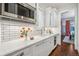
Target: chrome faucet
column 41, row 31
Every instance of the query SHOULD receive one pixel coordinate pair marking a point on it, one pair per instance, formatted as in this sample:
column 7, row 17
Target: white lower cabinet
column 42, row 48
column 51, row 43
column 28, row 51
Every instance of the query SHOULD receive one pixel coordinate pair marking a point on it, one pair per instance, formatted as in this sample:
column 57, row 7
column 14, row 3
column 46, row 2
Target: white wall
column 69, row 13
column 10, row 29
column 78, row 28
column 59, row 27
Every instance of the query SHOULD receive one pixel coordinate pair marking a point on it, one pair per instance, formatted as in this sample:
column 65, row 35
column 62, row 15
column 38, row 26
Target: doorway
column 68, row 27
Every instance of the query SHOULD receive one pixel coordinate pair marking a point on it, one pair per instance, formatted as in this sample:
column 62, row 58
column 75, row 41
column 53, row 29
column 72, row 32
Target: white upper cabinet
column 51, row 17
column 47, row 17
column 40, row 16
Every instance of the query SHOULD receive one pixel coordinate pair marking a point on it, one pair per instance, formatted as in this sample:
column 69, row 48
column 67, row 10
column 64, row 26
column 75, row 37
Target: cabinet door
column 47, row 47
column 48, row 17
column 28, row 51
column 47, row 22
column 40, row 17
column 53, row 19
column 51, row 43
column 38, row 49
column 41, row 49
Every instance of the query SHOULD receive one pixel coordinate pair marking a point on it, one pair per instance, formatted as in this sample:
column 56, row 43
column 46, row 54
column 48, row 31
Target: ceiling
column 58, row 5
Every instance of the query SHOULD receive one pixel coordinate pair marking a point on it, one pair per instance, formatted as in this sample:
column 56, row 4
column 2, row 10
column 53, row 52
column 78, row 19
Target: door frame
column 75, row 37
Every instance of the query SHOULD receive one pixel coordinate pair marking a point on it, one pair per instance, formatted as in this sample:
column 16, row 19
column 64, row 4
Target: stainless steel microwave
column 17, row 10
column 9, row 9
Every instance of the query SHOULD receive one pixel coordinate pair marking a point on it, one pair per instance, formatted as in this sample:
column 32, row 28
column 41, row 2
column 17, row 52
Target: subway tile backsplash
column 10, row 29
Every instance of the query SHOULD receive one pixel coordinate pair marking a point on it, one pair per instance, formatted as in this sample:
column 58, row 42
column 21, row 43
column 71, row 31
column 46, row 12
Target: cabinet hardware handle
column 21, row 54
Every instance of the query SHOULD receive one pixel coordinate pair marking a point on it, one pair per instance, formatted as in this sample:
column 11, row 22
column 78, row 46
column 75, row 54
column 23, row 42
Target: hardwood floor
column 65, row 49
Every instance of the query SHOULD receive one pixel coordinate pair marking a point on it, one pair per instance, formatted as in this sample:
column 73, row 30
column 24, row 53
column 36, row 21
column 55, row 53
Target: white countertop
column 12, row 46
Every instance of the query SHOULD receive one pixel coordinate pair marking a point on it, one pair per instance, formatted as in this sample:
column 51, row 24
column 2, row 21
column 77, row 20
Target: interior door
column 67, row 27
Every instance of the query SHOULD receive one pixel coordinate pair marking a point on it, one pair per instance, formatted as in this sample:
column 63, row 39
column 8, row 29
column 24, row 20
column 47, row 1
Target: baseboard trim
column 77, row 50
